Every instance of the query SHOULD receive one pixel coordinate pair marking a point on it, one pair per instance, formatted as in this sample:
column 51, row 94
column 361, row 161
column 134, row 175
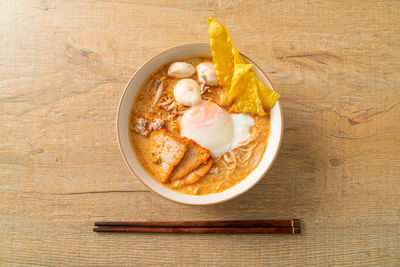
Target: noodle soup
column 154, row 109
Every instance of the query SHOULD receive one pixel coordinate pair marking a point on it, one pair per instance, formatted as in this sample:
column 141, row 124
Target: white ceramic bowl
column 131, row 160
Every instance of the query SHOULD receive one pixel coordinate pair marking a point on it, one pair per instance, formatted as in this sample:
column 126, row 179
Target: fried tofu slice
column 195, row 175
column 166, row 151
column 194, row 156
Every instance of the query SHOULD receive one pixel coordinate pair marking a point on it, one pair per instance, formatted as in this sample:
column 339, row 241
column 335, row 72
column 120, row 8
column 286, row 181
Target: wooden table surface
column 64, row 64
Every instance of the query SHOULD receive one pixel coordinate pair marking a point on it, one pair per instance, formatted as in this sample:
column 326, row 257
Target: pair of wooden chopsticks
column 204, row 227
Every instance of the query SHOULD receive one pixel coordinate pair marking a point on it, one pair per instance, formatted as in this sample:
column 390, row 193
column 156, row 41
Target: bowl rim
column 164, row 196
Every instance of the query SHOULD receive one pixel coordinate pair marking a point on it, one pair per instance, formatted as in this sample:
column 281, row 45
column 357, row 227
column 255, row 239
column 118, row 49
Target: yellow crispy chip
column 221, row 49
column 237, row 58
column 240, row 86
column 246, row 100
column 237, row 73
column 237, row 88
column 267, row 95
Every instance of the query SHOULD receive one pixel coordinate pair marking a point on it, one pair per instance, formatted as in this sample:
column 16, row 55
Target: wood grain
column 64, row 64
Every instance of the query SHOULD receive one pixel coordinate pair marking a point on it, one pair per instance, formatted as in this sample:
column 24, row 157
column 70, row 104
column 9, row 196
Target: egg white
column 219, row 134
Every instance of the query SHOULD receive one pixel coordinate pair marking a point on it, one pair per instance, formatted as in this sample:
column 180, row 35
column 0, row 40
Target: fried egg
column 214, row 128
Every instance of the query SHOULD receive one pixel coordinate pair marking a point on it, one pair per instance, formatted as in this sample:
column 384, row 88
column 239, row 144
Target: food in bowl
column 201, row 125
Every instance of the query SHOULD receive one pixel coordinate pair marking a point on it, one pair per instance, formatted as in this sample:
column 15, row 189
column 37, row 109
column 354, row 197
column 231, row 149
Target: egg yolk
column 208, row 125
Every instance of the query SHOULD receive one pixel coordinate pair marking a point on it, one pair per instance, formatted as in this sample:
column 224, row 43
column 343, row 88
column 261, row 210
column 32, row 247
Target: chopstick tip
column 296, row 223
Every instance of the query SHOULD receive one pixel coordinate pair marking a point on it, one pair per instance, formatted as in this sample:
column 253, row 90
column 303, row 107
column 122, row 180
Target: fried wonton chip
column 238, row 72
column 245, row 89
column 241, row 88
column 267, row 95
column 238, row 88
column 237, row 58
column 221, row 46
